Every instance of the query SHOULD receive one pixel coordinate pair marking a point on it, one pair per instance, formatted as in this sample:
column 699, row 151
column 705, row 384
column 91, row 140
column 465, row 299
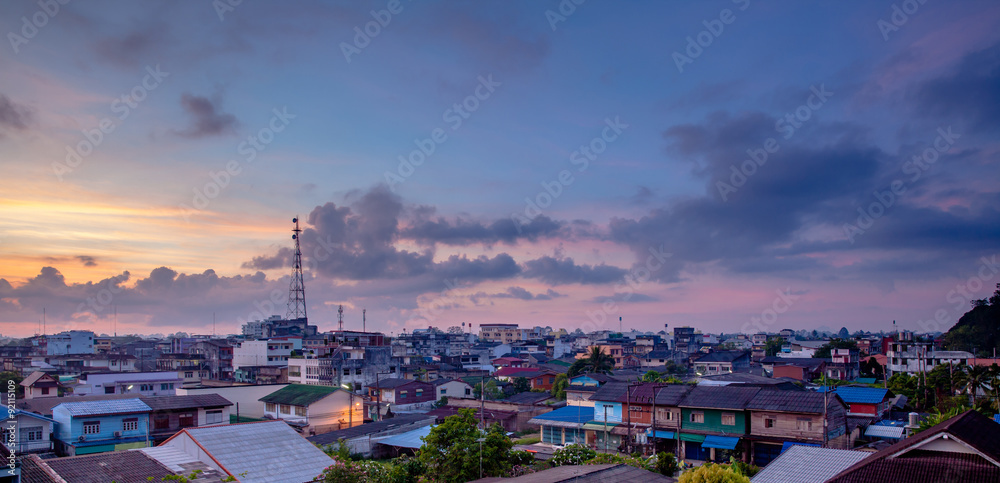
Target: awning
column 789, row 444
column 696, row 438
column 660, row 434
column 592, row 426
column 720, row 442
column 622, row 430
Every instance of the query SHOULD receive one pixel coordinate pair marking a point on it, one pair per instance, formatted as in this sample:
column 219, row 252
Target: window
column 130, row 424
column 189, row 374
column 213, row 417
column 443, row 391
column 186, row 420
column 300, row 411
column 769, row 422
column 164, row 387
column 729, row 419
column 468, row 391
column 804, row 424
column 270, row 407
column 33, row 433
column 286, row 409
column 402, row 394
column 109, row 390
column 161, row 421
column 91, row 427
column 45, row 391
column 697, row 417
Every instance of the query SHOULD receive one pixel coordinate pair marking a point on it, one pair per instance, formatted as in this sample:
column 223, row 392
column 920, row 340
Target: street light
column 350, row 408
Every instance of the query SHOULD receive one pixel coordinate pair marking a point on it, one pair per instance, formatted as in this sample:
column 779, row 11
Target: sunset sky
column 499, row 162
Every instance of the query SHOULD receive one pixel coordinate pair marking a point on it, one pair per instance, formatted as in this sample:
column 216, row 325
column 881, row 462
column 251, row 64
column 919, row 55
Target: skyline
column 732, row 166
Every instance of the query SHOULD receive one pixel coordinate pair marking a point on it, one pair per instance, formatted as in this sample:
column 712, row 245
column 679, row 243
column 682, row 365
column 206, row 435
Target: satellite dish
column 295, row 220
column 293, row 237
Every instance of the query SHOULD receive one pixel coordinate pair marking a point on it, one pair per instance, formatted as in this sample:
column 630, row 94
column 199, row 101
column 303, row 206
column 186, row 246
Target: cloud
column 968, row 96
column 206, row 118
column 13, row 115
column 87, row 261
column 462, row 231
column 559, row 271
column 517, row 293
column 134, row 48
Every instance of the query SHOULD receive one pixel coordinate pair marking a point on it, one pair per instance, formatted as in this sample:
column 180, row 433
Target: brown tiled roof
column 905, row 461
column 118, row 466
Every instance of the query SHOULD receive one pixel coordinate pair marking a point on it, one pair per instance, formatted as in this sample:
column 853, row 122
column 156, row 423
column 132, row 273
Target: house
column 580, row 395
column 587, row 474
column 871, row 402
column 171, row 414
column 507, row 419
column 101, row 426
column 40, row 384
column 119, row 466
column 259, row 452
column 33, row 434
column 963, row 448
column 638, row 415
column 564, row 425
column 508, row 362
column 713, row 421
column 451, row 388
column 808, row 464
column 315, row 409
column 780, row 417
column 245, row 399
column 540, row 379
column 656, row 358
column 402, row 391
column 138, row 383
column 719, row 362
column 359, row 439
column 801, row 369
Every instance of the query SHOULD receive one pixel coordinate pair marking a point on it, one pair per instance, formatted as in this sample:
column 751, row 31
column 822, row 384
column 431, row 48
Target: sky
column 734, row 166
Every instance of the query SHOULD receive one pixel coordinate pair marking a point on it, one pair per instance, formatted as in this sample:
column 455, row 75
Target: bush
column 527, row 440
column 742, row 468
column 574, row 454
column 666, row 464
column 617, row 459
column 521, row 458
column 712, row 473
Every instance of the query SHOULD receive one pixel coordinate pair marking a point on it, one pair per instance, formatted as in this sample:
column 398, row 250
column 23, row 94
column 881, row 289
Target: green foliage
column 773, row 346
column 401, row 470
column 651, row 376
column 616, row 459
column 666, row 464
column 492, row 391
column 17, row 378
column 713, row 473
column 521, row 458
column 441, row 402
column 937, row 417
column 742, row 468
column 527, row 440
column 451, row 452
column 521, row 384
column 978, row 329
column 574, row 454
column 871, row 368
column 598, row 362
column 559, row 387
column 824, row 351
column 577, row 367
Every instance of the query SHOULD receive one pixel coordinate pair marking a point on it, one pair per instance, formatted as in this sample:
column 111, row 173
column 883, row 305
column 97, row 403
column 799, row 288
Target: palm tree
column 973, row 379
column 598, row 362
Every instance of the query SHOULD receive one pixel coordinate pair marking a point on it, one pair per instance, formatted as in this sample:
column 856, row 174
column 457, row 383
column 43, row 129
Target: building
column 245, row 398
column 259, row 452
column 314, row 409
column 719, row 362
column 452, row 388
column 40, row 384
column 270, row 352
column 359, row 439
column 589, row 474
column 402, row 391
column 778, row 418
column 564, row 425
column 69, row 342
column 101, row 426
column 119, row 467
column 808, row 464
column 32, row 434
column 963, row 448
column 504, row 333
column 138, row 383
column 870, row 402
column 171, row 414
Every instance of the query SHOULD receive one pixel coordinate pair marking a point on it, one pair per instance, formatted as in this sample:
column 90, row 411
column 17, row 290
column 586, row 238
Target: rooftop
column 166, row 403
column 371, row 428
column 719, row 397
column 299, row 394
column 865, row 395
column 788, row 401
column 118, row 466
column 808, row 464
column 100, row 408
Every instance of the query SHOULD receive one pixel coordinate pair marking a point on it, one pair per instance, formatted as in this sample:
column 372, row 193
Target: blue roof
column 996, row 417
column 568, row 414
column 721, row 442
column 867, row 395
column 97, row 408
column 789, row 444
column 409, row 439
column 33, row 415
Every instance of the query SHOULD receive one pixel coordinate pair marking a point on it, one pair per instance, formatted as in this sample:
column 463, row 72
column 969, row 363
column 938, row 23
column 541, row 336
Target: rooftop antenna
column 115, row 326
column 363, row 319
column 340, row 317
column 213, row 324
column 297, row 286
column 43, row 320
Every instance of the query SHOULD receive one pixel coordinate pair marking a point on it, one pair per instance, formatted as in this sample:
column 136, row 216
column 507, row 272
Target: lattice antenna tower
column 297, row 287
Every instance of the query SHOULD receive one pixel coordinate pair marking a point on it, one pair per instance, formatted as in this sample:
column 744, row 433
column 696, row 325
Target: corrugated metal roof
column 268, row 452
column 97, row 408
column 808, row 464
column 788, row 401
column 574, row 416
column 719, row 397
column 299, row 394
column 160, row 403
column 409, row 439
column 864, row 395
column 878, row 431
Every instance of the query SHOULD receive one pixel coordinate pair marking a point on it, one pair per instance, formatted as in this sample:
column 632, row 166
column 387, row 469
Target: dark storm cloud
column 13, row 115
column 559, row 271
column 518, row 293
column 465, row 232
column 206, row 118
column 969, row 96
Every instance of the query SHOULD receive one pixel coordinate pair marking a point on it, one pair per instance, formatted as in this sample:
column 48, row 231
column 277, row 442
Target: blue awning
column 789, row 444
column 720, row 442
column 660, row 434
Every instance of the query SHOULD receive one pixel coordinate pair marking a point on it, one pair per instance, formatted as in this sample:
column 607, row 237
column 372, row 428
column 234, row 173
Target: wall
column 614, row 411
column 713, row 421
column 246, row 396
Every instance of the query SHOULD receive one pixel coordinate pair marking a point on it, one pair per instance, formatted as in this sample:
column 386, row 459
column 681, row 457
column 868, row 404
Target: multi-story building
column 70, row 342
column 907, row 356
column 505, row 333
column 101, row 426
column 269, row 352
column 686, row 341
column 138, row 383
column 719, row 362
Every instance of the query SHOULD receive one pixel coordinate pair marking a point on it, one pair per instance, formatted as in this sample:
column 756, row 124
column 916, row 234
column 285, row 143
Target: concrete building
column 270, row 352
column 70, row 342
column 506, row 333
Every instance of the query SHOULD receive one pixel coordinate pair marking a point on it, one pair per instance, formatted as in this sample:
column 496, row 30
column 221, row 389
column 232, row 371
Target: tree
column 651, row 376
column 598, row 362
column 574, row 454
column 559, row 387
column 773, row 346
column 452, row 454
column 521, row 384
column 713, row 473
column 441, row 402
column 492, row 391
column 666, row 464
column 871, row 368
column 16, row 378
column 577, row 368
column 978, row 330
column 972, row 379
column 826, row 349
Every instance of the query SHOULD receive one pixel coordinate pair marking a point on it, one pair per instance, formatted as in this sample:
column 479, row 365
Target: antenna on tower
column 363, row 319
column 43, row 320
column 340, row 316
column 115, row 327
column 297, row 286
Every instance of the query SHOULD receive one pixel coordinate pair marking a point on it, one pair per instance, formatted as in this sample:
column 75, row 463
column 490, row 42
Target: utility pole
column 654, row 418
column 605, row 429
column 628, row 429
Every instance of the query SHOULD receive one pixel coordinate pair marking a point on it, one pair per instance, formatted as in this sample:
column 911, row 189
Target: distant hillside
column 979, row 328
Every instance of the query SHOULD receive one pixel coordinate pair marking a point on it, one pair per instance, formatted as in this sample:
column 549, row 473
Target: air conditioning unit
column 83, row 438
column 118, row 434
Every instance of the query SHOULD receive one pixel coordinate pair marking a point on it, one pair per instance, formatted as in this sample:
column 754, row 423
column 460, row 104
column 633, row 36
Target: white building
column 453, row 388
column 71, row 342
column 270, row 352
column 138, row 383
